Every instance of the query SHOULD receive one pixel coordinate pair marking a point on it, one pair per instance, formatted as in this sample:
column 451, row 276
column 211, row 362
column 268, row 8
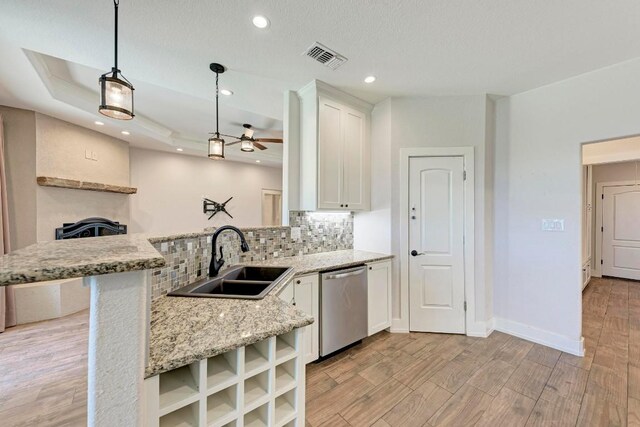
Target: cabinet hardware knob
column 298, row 282
column 370, row 268
column 346, row 206
column 342, row 206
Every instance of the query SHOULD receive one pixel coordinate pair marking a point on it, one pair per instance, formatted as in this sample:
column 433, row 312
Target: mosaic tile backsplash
column 187, row 260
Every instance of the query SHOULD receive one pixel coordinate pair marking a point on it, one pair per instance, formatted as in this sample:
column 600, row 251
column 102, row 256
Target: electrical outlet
column 94, row 156
column 87, row 154
column 553, row 225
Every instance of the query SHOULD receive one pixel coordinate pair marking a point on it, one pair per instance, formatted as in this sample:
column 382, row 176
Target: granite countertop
column 64, row 259
column 313, row 263
column 184, row 330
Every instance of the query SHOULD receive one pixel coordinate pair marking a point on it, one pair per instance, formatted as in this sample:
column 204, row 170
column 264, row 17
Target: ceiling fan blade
column 259, row 146
column 232, row 143
column 273, row 140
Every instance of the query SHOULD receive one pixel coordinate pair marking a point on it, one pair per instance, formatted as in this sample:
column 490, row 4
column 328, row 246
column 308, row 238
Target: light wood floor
column 433, row 379
column 390, row 379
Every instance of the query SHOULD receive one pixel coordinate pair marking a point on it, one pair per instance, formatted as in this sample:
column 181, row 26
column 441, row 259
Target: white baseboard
column 399, row 325
column 480, row 329
column 540, row 336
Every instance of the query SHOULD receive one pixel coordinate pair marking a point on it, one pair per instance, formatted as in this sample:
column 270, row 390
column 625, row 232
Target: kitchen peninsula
column 203, row 358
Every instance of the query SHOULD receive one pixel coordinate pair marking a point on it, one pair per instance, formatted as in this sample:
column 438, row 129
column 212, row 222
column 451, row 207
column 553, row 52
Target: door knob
column 415, row 253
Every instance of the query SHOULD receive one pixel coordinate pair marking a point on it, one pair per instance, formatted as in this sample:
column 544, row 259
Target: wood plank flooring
column 452, row 380
column 390, row 379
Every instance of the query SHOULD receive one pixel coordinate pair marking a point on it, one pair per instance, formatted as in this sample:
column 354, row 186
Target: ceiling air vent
column 325, row 56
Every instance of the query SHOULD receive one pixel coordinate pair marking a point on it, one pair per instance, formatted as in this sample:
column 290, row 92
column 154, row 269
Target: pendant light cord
column 217, row 129
column 116, row 3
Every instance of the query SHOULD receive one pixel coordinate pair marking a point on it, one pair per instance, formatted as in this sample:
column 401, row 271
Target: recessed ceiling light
column 99, row 123
column 226, row 92
column 179, row 149
column 125, row 132
column 260, row 21
column 369, row 79
column 257, row 161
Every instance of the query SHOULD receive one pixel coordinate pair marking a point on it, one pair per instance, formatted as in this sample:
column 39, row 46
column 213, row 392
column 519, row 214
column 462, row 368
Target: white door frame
column 596, row 271
column 467, row 154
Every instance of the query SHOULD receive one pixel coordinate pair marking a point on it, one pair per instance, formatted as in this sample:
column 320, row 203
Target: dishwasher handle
column 343, row 274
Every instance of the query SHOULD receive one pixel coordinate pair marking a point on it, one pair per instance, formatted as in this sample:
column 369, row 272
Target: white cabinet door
column 355, row 160
column 330, row 154
column 379, row 296
column 307, row 299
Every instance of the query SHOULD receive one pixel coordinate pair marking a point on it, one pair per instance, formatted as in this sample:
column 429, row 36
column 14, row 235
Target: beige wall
column 20, row 161
column 62, row 147
column 171, row 187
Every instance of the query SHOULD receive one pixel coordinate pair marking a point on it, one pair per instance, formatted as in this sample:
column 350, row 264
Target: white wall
column 372, row 229
column 424, row 122
column 171, row 187
column 537, row 288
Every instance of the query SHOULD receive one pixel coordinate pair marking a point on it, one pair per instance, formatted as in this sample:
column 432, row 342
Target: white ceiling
column 429, row 47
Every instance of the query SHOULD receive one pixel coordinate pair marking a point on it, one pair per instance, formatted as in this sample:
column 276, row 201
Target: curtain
column 7, row 297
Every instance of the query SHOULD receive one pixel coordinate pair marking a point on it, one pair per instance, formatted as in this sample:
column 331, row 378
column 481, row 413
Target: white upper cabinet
column 328, row 157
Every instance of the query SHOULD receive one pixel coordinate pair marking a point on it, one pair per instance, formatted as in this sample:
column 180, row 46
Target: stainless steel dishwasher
column 343, row 308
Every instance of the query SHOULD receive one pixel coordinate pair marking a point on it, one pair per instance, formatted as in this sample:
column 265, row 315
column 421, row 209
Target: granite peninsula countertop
column 64, row 259
column 184, row 330
column 324, row 261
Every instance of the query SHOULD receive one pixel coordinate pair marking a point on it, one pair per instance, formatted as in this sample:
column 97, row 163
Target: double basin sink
column 243, row 282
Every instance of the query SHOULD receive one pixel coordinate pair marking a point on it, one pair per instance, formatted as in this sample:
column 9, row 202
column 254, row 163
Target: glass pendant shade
column 116, row 97
column 247, row 146
column 216, row 148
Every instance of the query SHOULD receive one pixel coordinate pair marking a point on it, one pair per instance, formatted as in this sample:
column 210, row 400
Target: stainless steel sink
column 243, row 282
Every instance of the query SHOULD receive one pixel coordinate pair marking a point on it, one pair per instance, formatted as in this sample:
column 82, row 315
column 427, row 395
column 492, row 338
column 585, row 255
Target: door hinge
column 464, row 175
column 601, row 262
column 602, row 229
column 465, row 306
column 602, row 196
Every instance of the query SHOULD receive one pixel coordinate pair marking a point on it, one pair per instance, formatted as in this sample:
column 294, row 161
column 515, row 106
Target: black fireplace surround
column 90, row 227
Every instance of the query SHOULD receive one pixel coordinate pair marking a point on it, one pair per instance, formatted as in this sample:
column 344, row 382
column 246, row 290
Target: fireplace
column 90, row 227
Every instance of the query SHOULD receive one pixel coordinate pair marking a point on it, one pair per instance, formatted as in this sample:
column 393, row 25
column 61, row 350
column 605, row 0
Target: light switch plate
column 87, row 154
column 553, row 225
column 295, row 233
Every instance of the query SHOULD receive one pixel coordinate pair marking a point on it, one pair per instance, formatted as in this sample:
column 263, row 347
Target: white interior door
column 621, row 234
column 436, row 233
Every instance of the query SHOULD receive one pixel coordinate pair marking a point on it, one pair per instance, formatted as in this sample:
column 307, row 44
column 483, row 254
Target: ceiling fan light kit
column 116, row 92
column 246, row 145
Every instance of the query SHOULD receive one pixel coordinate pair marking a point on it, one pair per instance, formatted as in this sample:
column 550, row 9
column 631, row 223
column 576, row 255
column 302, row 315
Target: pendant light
column 216, row 144
column 116, row 92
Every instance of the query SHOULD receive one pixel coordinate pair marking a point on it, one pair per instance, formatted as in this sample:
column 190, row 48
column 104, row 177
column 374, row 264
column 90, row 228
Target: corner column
column 118, row 344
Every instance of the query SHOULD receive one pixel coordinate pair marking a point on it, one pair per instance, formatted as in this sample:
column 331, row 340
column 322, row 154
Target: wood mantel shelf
column 48, row 181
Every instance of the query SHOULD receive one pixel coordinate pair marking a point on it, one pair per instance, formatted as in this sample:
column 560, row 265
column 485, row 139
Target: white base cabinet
column 379, row 297
column 307, row 298
column 261, row 384
column 304, row 293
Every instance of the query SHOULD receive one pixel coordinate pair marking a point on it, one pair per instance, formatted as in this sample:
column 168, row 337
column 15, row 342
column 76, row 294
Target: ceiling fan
column 248, row 143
